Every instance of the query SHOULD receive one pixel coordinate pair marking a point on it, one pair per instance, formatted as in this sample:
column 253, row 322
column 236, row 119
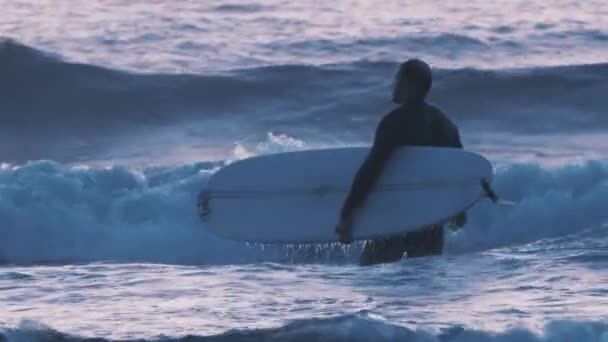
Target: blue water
column 113, row 115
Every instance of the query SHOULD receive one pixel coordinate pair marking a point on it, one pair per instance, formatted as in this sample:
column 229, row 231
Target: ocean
column 114, row 114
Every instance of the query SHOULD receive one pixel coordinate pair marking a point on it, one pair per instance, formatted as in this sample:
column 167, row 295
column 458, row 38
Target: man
column 413, row 123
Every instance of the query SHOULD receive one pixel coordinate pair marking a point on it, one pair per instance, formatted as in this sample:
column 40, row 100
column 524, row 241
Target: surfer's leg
column 385, row 250
column 425, row 242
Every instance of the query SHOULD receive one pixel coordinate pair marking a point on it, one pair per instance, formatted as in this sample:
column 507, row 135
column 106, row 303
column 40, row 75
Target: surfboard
column 296, row 197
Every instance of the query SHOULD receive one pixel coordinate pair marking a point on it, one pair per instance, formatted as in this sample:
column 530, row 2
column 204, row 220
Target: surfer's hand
column 344, row 230
column 458, row 221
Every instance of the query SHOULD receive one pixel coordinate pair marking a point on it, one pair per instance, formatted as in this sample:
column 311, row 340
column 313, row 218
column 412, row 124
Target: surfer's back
column 418, row 124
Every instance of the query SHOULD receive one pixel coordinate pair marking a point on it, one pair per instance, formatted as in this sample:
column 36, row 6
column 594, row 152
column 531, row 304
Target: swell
column 38, row 89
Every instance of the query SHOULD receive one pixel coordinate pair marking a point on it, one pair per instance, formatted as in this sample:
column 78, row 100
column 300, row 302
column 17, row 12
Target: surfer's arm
column 370, row 171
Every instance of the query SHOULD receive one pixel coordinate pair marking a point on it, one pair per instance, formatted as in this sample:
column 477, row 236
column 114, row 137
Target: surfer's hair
column 418, row 75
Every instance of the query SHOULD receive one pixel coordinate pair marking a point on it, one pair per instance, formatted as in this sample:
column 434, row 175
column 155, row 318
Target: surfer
column 413, row 123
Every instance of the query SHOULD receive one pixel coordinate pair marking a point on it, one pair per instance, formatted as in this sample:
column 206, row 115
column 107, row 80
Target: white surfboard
column 296, row 197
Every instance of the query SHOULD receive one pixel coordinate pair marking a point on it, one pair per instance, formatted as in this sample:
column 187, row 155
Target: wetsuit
column 411, row 124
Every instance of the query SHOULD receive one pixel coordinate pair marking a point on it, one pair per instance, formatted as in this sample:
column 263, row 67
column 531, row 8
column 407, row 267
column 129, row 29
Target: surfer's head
column 413, row 82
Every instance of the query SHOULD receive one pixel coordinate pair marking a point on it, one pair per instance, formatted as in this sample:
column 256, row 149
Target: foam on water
column 359, row 327
column 56, row 213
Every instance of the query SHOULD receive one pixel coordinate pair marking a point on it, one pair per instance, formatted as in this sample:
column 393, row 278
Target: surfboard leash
column 203, row 205
column 485, row 185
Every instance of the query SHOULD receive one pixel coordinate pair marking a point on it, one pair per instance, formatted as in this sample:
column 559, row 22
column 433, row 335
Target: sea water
column 113, row 114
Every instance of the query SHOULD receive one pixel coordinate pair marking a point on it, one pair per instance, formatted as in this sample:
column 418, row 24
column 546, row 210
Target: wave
column 240, row 8
column 549, row 203
column 354, row 327
column 38, row 88
column 54, row 213
column 90, row 112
